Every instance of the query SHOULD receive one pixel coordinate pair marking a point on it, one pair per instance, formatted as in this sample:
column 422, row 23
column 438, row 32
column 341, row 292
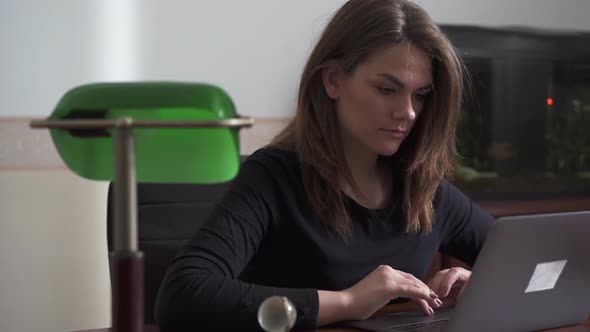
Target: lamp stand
column 126, row 260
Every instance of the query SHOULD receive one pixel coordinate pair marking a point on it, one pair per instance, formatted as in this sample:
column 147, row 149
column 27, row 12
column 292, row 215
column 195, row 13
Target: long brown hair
column 357, row 30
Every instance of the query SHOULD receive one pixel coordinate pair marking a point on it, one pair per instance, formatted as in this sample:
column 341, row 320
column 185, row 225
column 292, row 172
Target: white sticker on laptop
column 545, row 276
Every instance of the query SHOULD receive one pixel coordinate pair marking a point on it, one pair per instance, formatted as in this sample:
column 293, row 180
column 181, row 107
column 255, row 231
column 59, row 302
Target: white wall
column 52, row 250
column 544, row 14
column 254, row 49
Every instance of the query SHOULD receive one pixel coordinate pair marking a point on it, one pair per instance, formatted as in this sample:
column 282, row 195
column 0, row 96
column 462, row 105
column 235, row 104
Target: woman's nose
column 405, row 109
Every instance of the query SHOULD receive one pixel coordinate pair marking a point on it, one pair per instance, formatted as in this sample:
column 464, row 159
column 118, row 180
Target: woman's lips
column 395, row 133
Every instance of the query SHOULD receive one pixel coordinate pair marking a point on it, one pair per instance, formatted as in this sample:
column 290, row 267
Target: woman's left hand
column 448, row 284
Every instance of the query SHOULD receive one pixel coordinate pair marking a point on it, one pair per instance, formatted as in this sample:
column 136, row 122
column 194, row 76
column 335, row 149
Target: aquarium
column 525, row 127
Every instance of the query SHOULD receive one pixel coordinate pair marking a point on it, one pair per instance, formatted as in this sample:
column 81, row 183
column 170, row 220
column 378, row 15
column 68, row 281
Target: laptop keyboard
column 434, row 326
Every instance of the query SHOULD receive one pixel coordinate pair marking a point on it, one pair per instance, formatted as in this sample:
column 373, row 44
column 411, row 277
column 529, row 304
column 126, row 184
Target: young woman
column 345, row 210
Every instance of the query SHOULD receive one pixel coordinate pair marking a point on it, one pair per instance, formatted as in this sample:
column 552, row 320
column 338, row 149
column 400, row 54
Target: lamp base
column 127, row 290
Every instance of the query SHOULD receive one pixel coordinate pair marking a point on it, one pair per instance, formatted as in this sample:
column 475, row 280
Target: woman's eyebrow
column 396, row 81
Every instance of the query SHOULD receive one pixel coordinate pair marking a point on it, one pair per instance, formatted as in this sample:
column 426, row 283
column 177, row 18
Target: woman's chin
column 388, row 150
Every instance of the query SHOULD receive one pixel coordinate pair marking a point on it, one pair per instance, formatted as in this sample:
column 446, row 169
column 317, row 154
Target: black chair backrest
column 167, row 215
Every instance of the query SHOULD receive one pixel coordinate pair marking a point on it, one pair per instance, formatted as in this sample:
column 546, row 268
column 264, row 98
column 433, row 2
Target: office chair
column 95, row 128
column 168, row 215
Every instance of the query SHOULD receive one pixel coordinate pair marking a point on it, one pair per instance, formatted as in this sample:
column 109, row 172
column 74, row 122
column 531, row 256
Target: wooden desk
column 388, row 309
column 517, row 207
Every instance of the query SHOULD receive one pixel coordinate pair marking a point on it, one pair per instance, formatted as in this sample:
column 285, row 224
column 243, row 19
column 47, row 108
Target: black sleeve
column 201, row 289
column 464, row 224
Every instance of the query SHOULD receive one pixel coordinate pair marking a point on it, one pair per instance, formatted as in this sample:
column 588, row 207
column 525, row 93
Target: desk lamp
column 150, row 131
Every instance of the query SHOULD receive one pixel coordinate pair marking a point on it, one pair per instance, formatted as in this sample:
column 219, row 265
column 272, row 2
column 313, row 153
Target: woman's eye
column 421, row 96
column 385, row 90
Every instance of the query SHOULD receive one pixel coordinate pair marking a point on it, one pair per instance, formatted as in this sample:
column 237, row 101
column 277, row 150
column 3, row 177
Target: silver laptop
column 532, row 273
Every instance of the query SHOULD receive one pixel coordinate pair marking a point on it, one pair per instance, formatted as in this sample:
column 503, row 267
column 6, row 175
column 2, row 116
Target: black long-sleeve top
column 263, row 239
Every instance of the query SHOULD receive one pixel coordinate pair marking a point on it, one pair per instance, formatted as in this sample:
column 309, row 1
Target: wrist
column 335, row 306
column 346, row 304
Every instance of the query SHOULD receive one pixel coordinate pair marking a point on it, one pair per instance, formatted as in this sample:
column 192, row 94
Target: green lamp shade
column 199, row 155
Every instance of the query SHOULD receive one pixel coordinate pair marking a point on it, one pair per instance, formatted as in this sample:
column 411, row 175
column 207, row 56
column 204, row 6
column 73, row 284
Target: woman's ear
column 332, row 75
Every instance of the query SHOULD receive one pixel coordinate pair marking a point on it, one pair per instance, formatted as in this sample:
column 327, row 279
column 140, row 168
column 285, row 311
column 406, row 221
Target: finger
column 413, row 292
column 424, row 306
column 415, row 283
column 434, row 283
column 447, row 282
column 418, row 284
column 411, row 277
column 404, row 278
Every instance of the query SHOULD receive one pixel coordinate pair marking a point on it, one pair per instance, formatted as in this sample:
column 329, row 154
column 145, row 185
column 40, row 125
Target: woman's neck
column 371, row 176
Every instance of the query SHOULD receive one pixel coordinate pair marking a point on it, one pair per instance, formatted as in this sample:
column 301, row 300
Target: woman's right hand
column 383, row 285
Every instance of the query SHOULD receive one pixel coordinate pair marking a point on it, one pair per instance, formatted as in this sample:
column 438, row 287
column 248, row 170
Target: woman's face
column 378, row 103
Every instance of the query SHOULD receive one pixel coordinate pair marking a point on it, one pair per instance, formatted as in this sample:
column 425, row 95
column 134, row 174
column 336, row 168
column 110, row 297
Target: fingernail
column 438, row 302
column 433, row 295
column 430, row 311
